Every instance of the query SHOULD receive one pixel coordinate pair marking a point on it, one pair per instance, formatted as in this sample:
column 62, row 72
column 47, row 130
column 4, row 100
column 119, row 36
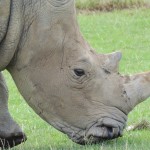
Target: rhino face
column 83, row 92
column 90, row 95
column 69, row 85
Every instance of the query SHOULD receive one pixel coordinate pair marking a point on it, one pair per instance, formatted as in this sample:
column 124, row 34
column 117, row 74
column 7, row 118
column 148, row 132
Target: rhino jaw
column 137, row 88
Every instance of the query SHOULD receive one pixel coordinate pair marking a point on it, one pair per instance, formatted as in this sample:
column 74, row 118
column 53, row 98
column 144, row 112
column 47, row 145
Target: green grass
column 127, row 31
column 109, row 5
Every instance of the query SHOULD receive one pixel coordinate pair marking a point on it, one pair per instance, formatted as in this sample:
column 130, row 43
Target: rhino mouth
column 98, row 132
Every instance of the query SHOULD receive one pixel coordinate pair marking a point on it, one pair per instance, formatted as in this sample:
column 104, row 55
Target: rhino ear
column 111, row 61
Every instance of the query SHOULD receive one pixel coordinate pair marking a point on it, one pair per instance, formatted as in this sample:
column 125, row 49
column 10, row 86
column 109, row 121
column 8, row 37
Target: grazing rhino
column 69, row 85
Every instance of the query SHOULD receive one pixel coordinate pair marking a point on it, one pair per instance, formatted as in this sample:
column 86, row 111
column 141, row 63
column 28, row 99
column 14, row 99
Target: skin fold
column 68, row 84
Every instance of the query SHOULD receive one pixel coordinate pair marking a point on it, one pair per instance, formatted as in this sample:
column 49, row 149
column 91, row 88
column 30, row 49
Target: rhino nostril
column 110, row 129
column 110, row 132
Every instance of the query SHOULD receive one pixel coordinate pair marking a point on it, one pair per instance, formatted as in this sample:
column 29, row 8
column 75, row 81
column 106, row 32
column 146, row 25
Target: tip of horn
column 118, row 55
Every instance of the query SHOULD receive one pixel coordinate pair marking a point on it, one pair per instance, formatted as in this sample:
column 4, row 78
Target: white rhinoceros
column 69, row 85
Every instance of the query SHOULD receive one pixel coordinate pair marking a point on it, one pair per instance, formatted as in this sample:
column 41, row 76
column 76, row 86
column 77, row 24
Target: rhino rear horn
column 111, row 61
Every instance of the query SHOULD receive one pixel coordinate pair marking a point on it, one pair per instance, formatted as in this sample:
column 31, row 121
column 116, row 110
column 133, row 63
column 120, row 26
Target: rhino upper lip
column 109, row 131
column 94, row 139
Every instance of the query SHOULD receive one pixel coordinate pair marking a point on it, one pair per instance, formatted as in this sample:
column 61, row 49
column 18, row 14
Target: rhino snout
column 98, row 134
column 105, row 129
column 102, row 133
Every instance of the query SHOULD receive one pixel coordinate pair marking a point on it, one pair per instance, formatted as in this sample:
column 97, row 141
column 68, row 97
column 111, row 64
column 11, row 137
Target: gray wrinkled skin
column 61, row 77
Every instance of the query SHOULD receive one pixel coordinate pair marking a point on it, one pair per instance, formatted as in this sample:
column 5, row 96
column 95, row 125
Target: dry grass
column 142, row 125
column 109, row 5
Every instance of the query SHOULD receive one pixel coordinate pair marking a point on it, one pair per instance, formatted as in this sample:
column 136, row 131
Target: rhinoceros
column 76, row 90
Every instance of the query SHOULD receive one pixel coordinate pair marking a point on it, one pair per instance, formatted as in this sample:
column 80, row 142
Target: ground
column 127, row 31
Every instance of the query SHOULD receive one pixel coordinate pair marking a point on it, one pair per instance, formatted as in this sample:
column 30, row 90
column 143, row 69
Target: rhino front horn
column 137, row 88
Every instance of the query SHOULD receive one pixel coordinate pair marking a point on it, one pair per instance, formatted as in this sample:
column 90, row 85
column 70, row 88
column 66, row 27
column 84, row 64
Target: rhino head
column 68, row 84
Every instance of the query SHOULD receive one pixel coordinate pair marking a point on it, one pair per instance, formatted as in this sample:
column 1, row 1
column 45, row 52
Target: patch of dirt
column 111, row 6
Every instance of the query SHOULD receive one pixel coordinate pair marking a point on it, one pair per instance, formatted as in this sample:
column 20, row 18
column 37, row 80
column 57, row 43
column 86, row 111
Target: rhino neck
column 4, row 17
column 10, row 41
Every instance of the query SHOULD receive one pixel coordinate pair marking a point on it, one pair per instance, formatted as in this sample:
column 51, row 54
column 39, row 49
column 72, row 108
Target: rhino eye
column 79, row 72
